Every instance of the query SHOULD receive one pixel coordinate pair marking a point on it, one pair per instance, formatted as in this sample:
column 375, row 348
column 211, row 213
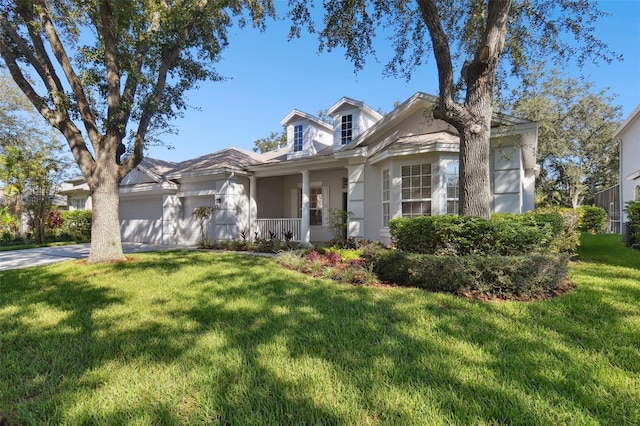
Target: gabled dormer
column 306, row 134
column 350, row 119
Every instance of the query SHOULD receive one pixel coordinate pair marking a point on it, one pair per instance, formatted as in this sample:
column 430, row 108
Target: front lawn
column 210, row 338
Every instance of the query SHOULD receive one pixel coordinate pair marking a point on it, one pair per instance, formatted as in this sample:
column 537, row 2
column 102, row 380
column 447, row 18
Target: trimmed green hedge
column 503, row 234
column 632, row 209
column 494, row 275
column 77, row 224
column 593, row 219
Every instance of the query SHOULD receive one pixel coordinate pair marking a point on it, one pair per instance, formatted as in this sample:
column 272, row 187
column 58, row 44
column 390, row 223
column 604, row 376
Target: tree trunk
column 475, row 193
column 106, row 244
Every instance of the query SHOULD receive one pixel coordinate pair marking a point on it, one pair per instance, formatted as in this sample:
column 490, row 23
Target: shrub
column 503, row 234
column 594, row 219
column 501, row 276
column 632, row 210
column 292, row 260
column 345, row 254
column 357, row 273
column 55, row 220
column 77, row 224
column 10, row 238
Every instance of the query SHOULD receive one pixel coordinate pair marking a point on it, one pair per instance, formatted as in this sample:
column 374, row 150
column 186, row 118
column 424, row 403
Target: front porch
column 280, row 228
column 297, row 206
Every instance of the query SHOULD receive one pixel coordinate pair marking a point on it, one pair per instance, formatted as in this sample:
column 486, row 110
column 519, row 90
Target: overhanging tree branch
column 58, row 119
column 440, row 42
column 151, row 105
column 60, row 53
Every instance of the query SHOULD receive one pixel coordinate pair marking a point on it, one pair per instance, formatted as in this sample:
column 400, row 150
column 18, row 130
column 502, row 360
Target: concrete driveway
column 42, row 256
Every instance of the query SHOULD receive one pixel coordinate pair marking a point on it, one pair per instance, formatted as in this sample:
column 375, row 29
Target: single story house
column 376, row 167
column 629, row 135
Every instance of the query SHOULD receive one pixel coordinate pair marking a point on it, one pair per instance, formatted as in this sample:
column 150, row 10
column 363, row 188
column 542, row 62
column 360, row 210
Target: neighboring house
column 77, row 192
column 377, row 168
column 629, row 135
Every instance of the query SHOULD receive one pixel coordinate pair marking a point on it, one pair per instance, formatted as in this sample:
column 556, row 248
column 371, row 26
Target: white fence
column 278, row 227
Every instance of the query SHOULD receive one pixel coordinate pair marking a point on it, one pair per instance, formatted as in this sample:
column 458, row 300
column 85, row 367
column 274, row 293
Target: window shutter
column 325, row 206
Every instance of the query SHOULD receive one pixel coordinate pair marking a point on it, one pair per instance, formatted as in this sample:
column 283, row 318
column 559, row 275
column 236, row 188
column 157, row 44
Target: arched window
column 637, row 195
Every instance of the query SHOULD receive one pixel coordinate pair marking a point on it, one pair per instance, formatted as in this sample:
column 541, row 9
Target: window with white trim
column 416, row 190
column 346, row 128
column 78, row 203
column 637, row 194
column 453, row 187
column 386, row 206
column 297, row 138
column 316, row 205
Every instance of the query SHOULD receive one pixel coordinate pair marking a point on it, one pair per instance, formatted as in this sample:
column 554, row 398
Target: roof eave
column 635, row 113
column 206, row 172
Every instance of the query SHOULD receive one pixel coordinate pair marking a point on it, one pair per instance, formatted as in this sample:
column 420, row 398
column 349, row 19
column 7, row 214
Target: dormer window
column 297, row 138
column 346, row 128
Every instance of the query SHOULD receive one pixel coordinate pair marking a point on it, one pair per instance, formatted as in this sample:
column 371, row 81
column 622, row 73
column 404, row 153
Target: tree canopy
column 272, row 142
column 110, row 72
column 576, row 149
column 31, row 160
column 475, row 44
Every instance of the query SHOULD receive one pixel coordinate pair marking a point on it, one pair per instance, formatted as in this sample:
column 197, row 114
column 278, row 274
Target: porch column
column 305, row 219
column 170, row 215
column 355, row 200
column 253, row 207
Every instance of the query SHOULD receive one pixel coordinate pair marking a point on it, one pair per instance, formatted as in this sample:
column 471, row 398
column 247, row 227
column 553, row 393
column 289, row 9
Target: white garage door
column 141, row 220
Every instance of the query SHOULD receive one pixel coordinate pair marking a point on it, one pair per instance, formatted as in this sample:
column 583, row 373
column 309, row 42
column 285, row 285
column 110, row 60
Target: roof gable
column 233, row 159
column 348, row 103
column 300, row 115
column 410, row 106
column 150, row 170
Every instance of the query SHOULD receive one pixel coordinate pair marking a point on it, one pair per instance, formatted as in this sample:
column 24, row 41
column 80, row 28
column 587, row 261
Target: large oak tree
column 484, row 40
column 577, row 152
column 106, row 73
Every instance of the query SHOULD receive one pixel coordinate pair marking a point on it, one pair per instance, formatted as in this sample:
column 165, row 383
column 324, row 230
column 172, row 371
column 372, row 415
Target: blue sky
column 269, row 76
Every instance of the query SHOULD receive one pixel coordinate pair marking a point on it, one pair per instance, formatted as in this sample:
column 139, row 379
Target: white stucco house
column 629, row 136
column 376, row 167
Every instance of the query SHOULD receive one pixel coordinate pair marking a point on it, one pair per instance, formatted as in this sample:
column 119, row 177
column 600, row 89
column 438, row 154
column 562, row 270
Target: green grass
column 209, row 338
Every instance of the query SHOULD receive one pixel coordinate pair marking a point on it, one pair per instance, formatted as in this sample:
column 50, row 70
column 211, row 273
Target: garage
column 141, row 219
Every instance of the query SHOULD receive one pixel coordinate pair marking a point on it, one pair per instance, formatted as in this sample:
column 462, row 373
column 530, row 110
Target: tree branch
column 109, row 39
column 76, row 85
column 37, row 63
column 58, row 120
column 151, row 106
column 447, row 109
column 131, row 84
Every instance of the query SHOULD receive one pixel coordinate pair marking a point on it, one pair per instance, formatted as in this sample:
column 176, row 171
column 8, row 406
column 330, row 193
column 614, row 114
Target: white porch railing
column 279, row 227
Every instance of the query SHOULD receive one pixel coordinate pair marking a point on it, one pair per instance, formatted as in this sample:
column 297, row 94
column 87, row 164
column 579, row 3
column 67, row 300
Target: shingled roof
column 226, row 159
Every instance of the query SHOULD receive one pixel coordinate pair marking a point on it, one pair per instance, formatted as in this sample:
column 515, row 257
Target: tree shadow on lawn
column 288, row 349
column 47, row 337
column 580, row 363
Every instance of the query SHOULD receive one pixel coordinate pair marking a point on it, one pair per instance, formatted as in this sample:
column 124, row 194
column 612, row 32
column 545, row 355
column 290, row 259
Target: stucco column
column 355, row 201
column 305, row 220
column 170, row 215
column 253, row 207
